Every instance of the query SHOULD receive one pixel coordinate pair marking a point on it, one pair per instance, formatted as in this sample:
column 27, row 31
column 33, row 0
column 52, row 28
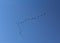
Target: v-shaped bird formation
column 28, row 19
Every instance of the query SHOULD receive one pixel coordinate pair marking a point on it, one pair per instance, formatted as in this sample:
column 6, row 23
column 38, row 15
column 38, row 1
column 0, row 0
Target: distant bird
column 41, row 15
column 44, row 13
column 20, row 33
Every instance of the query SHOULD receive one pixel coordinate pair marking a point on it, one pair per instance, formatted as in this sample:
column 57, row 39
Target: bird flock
column 28, row 19
column 32, row 18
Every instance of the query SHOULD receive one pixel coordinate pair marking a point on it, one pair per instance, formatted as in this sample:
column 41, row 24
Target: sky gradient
column 23, row 21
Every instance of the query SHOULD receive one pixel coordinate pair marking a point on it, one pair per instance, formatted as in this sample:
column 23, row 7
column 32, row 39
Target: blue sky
column 45, row 29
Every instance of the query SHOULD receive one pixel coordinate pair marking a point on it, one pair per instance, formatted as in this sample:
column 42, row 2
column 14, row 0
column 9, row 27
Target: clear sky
column 23, row 21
